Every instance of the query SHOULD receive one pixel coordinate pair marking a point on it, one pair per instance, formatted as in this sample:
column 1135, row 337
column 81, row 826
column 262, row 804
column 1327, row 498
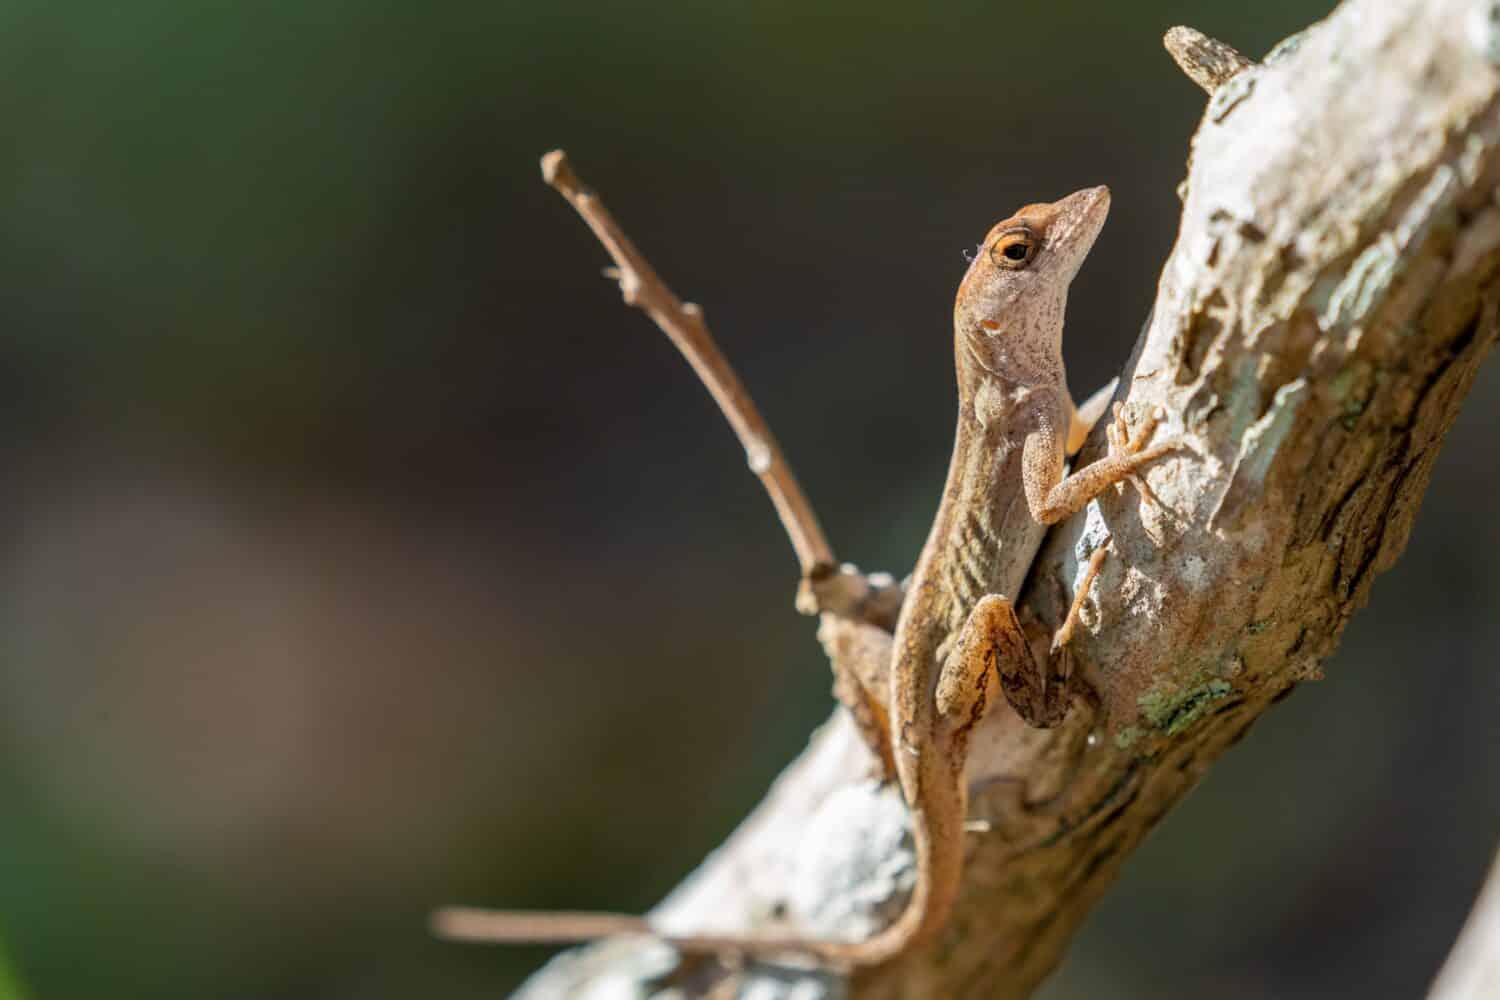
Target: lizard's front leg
column 1039, row 691
column 1053, row 498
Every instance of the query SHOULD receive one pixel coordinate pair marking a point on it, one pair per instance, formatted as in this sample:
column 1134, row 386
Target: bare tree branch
column 826, row 586
column 1334, row 287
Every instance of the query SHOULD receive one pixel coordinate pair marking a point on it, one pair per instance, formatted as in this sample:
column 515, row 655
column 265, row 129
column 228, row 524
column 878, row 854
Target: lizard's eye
column 1014, row 249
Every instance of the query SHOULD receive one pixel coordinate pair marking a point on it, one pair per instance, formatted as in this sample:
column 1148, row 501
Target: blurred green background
column 362, row 552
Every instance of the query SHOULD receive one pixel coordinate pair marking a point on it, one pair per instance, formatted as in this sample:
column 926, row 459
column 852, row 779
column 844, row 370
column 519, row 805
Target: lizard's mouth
column 1086, row 210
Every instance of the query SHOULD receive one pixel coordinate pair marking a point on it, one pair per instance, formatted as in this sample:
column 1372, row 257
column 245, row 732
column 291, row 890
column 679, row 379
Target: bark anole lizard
column 957, row 637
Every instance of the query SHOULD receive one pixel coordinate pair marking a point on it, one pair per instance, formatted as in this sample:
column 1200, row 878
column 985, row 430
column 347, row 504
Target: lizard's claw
column 1121, row 441
column 1116, row 431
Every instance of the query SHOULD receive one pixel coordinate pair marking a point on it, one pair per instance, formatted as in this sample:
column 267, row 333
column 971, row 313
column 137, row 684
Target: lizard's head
column 1013, row 294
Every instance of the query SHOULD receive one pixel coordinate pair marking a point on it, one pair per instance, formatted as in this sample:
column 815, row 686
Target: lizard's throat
column 1002, row 366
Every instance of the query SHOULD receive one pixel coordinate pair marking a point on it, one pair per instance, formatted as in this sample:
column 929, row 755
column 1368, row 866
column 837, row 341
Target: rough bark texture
column 1334, row 288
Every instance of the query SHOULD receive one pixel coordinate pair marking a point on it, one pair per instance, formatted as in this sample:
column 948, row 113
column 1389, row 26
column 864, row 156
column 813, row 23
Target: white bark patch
column 1193, row 572
column 1484, row 29
column 1095, row 533
column 1140, row 595
column 855, row 865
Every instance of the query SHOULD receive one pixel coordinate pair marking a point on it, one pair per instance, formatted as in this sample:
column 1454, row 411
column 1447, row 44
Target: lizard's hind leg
column 1037, row 687
column 991, row 636
column 860, row 655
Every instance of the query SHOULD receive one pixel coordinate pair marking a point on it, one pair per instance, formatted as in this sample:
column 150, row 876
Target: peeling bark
column 1334, row 287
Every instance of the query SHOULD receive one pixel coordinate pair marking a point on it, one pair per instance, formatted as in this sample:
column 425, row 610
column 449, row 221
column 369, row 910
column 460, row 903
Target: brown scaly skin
column 957, row 638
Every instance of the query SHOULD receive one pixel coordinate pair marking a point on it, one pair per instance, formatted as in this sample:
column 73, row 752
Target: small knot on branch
column 1208, row 62
column 758, row 456
column 558, row 172
column 814, row 578
column 630, row 287
column 845, row 592
column 629, row 282
column 1484, row 29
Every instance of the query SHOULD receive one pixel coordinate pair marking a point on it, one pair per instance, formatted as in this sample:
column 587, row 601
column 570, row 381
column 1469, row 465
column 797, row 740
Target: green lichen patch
column 1170, row 709
column 1126, row 737
column 1352, row 388
column 1285, row 47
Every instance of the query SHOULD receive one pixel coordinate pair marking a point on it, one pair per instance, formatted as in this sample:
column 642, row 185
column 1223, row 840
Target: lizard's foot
column 860, row 655
column 1132, row 447
column 1070, row 622
column 1121, row 441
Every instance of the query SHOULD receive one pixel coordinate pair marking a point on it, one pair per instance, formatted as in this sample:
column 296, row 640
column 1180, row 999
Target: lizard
column 957, row 638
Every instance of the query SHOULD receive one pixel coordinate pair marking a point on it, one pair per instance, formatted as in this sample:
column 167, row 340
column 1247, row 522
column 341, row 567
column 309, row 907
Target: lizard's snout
column 1082, row 214
column 1088, row 205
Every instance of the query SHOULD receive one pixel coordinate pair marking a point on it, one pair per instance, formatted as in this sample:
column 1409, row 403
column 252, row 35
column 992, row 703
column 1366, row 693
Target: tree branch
column 826, row 587
column 1333, row 290
column 684, row 325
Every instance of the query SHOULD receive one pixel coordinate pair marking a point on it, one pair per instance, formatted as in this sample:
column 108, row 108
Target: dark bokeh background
column 362, row 552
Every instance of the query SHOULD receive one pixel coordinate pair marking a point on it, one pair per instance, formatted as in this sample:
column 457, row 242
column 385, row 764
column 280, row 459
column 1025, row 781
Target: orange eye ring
column 1014, row 249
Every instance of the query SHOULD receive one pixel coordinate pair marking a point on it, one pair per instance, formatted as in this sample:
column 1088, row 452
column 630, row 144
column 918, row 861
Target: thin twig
column 467, row 923
column 683, row 323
